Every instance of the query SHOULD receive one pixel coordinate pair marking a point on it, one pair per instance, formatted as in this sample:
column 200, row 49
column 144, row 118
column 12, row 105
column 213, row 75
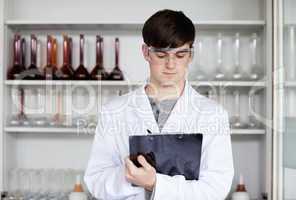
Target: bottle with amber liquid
column 49, row 70
column 99, row 72
column 33, row 73
column 81, row 72
column 54, row 54
column 16, row 71
column 66, row 72
column 116, row 74
column 241, row 192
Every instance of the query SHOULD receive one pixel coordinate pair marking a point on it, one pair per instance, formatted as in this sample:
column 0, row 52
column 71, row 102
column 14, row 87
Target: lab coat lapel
column 180, row 118
column 143, row 110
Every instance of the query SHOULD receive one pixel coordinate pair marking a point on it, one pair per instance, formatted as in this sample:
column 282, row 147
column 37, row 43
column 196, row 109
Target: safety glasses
column 163, row 55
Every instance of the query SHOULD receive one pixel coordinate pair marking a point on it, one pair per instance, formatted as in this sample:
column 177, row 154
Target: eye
column 160, row 54
column 181, row 54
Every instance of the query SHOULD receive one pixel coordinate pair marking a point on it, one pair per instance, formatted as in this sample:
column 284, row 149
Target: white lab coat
column 131, row 114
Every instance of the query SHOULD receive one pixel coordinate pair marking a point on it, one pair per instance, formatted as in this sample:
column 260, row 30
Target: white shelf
column 132, row 83
column 61, row 82
column 76, row 130
column 290, row 83
column 229, row 83
column 110, row 25
column 41, row 130
column 247, row 131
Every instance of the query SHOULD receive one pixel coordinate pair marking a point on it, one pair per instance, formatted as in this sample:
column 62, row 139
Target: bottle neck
column 65, row 51
column 16, row 50
column 116, row 53
column 23, row 52
column 49, row 50
column 81, row 56
column 33, row 50
column 22, row 101
column 99, row 51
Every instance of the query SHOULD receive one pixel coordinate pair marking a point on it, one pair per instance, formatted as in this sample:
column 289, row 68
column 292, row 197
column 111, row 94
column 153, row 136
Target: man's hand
column 144, row 176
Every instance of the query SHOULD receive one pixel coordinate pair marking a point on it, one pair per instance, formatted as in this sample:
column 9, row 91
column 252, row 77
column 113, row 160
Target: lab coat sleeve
column 104, row 176
column 216, row 172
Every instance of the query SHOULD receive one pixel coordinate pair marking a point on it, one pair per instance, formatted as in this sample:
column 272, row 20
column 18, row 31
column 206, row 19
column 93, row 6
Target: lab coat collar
column 143, row 110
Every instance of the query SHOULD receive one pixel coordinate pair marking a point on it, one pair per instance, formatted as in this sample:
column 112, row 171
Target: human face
column 168, row 66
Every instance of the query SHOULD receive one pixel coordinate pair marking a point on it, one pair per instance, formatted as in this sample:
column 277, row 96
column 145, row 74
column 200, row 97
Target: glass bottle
column 54, row 54
column 236, row 120
column 49, row 70
column 58, row 117
column 197, row 73
column 116, row 73
column 252, row 122
column 219, row 74
column 21, row 118
column 256, row 72
column 99, row 72
column 81, row 72
column 33, row 72
column 15, row 72
column 66, row 71
column 40, row 119
column 237, row 74
column 23, row 53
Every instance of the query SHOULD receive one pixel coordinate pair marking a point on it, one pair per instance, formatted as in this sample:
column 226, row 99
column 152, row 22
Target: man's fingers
column 130, row 165
column 143, row 162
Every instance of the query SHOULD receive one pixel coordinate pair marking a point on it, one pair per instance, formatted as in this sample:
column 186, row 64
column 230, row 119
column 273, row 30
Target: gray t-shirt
column 162, row 110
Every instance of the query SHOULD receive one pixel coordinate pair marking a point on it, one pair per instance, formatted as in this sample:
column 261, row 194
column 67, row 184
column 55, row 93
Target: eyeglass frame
column 168, row 49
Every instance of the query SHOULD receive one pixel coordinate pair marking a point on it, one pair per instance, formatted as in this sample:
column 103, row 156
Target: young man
column 188, row 133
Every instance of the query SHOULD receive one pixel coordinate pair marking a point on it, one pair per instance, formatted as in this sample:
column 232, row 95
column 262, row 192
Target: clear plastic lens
column 163, row 55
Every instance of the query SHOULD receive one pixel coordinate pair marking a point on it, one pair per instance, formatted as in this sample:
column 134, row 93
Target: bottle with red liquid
column 16, row 71
column 33, row 72
column 99, row 72
column 81, row 72
column 54, row 54
column 49, row 70
column 116, row 74
column 66, row 72
column 23, row 53
column 70, row 51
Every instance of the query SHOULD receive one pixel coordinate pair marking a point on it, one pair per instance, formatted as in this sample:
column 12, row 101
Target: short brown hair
column 168, row 28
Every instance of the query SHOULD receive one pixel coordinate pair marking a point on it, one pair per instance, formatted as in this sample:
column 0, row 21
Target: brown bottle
column 66, row 72
column 33, row 73
column 16, row 71
column 23, row 53
column 70, row 52
column 81, row 72
column 49, row 70
column 99, row 72
column 54, row 54
column 116, row 73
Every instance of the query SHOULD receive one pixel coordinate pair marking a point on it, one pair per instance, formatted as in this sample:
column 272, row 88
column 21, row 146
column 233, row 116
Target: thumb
column 143, row 162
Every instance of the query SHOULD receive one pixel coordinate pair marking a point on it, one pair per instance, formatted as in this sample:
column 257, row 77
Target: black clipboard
column 175, row 154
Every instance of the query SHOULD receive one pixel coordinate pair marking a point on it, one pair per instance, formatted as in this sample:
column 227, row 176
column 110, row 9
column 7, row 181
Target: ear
column 145, row 52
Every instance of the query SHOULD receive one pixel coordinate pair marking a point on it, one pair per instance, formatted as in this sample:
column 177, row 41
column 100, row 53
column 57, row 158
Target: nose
column 170, row 62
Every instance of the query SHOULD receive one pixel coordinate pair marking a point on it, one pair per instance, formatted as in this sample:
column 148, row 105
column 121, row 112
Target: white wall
column 132, row 10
